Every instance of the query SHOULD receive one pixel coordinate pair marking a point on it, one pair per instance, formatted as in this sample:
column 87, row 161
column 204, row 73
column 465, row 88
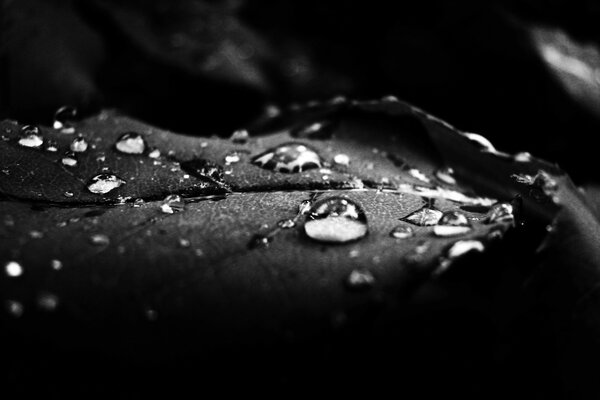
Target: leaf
column 104, row 273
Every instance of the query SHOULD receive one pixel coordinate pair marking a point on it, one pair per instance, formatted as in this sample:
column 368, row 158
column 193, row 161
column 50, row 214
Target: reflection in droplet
column 172, row 203
column 360, row 279
column 47, row 301
column 62, row 117
column 99, row 239
column 31, row 137
column 13, row 269
column 446, row 175
column 104, row 183
column 14, row 308
column 79, row 144
column 424, row 217
column 131, row 143
column 240, row 136
column 402, row 232
column 336, row 220
column 288, row 157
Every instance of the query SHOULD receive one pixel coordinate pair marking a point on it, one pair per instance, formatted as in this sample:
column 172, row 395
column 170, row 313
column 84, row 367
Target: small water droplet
column 51, row 146
column 354, row 253
column 240, row 136
column 47, row 301
column 151, row 315
column 79, row 145
column 172, row 203
column 360, row 279
column 131, row 143
column 185, row 243
column 402, row 232
column 341, row 160
column 522, row 157
column 481, row 142
column 68, row 194
column 69, row 160
column 463, row 247
column 415, row 173
column 424, row 217
column 232, row 158
column 316, row 130
column 450, row 230
column 204, row 145
column 13, row 269
column 137, row 203
column 99, row 239
column 454, row 218
column 304, row 207
column 56, row 264
column 36, row 234
column 154, row 153
column 446, row 175
column 14, row 308
column 104, row 183
column 258, row 241
column 501, row 212
column 199, row 252
column 63, row 118
column 286, row 223
column 288, row 157
column 336, row 220
column 31, row 137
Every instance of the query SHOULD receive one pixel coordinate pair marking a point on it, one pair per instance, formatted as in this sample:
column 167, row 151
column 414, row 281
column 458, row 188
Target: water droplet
column 259, row 240
column 56, row 264
column 31, row 137
column 454, row 218
column 172, row 203
column 99, row 239
column 185, row 243
column 69, row 160
column 360, row 279
column 36, row 234
column 446, row 175
column 288, row 157
column 13, row 269
column 204, row 170
column 316, row 130
column 14, row 308
column 402, row 232
column 137, row 203
column 286, row 223
column 131, row 143
column 51, row 146
column 304, row 207
column 480, row 142
column 415, row 173
column 501, row 212
column 68, row 194
column 47, row 302
column 79, row 144
column 353, row 253
column 151, row 315
column 62, row 118
column 424, row 217
column 522, row 157
column 199, row 252
column 104, row 183
column 336, row 220
column 450, row 230
column 240, row 136
column 232, row 158
column 154, row 153
column 342, row 160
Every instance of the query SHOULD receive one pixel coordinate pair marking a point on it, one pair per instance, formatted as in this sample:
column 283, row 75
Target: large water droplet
column 63, row 118
column 360, row 279
column 446, row 175
column 402, row 232
column 104, row 183
column 336, row 220
column 31, row 137
column 289, row 157
column 79, row 144
column 131, row 143
column 13, row 269
column 172, row 203
column 501, row 212
column 316, row 130
column 424, row 217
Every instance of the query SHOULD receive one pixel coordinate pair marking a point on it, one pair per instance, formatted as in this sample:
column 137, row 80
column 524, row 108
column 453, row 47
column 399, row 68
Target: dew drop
column 463, row 247
column 240, row 136
column 79, row 144
column 424, row 217
column 336, row 220
column 360, row 279
column 47, row 301
column 446, row 175
column 288, row 157
column 14, row 308
column 154, row 154
column 341, row 160
column 232, row 158
column 51, row 146
column 172, row 203
column 501, row 212
column 481, row 142
column 13, row 269
column 56, row 264
column 137, row 203
column 316, row 130
column 36, row 234
column 62, row 118
column 69, row 160
column 304, row 207
column 402, row 232
column 204, row 170
column 185, row 243
column 31, row 137
column 353, row 253
column 522, row 157
column 131, row 143
column 104, row 183
column 68, row 194
column 259, row 240
column 286, row 223
column 454, row 218
column 99, row 239
column 415, row 173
